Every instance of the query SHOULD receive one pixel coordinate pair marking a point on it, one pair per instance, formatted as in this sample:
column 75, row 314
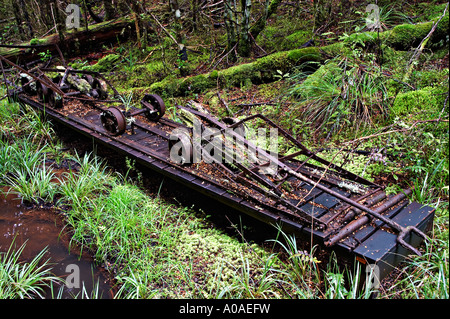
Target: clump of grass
column 90, row 180
column 33, row 184
column 21, row 155
column 253, row 282
column 24, row 280
column 301, row 262
column 18, row 121
column 425, row 277
column 340, row 94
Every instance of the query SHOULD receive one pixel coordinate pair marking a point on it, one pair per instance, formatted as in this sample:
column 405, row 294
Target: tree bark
column 18, row 18
column 109, row 10
column 245, row 45
column 57, row 19
column 27, row 18
column 230, row 25
column 270, row 8
column 77, row 42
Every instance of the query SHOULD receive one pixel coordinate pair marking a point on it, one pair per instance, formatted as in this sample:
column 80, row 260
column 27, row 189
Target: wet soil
column 39, row 228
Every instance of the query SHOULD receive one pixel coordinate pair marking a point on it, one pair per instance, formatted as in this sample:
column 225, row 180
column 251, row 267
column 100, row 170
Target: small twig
column 165, row 30
column 63, row 61
column 254, row 104
column 395, row 131
column 48, row 32
column 220, row 60
column 151, row 52
column 224, row 103
column 422, row 44
column 443, row 109
column 54, row 21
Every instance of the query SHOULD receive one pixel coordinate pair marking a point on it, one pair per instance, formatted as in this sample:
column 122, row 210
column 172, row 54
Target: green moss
column 299, row 56
column 363, row 39
column 284, row 33
column 36, row 41
column 244, row 75
column 431, row 12
column 214, row 74
column 319, row 84
column 427, row 101
column 295, row 40
column 424, row 78
column 107, row 63
column 143, row 75
column 228, row 255
column 394, row 59
column 239, row 74
column 405, row 36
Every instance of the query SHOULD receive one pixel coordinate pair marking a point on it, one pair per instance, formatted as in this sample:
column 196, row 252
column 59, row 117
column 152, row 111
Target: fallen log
column 75, row 41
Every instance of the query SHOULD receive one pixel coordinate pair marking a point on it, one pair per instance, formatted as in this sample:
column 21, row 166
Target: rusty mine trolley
column 321, row 202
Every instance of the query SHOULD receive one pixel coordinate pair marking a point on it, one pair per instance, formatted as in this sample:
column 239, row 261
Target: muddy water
column 40, row 228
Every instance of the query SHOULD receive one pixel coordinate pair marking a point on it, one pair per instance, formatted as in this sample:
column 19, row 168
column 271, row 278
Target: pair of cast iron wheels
column 114, row 120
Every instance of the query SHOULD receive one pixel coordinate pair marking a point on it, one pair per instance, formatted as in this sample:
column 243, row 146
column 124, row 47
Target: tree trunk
column 59, row 25
column 245, row 45
column 27, row 18
column 194, row 14
column 109, row 10
column 270, row 8
column 230, row 25
column 18, row 19
column 137, row 21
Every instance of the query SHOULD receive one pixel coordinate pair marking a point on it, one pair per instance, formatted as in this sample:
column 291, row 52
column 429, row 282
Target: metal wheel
column 113, row 121
column 28, row 89
column 42, row 91
column 54, row 100
column 155, row 106
column 97, row 89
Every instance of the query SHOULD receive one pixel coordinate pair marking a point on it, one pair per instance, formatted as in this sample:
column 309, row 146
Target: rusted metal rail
column 305, row 193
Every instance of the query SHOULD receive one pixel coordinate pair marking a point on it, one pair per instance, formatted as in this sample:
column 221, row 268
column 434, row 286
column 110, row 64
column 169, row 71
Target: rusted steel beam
column 369, row 203
column 365, row 219
column 351, row 211
column 312, row 155
column 45, row 82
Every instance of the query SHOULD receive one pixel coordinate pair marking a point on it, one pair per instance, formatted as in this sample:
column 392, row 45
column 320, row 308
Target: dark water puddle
column 40, row 228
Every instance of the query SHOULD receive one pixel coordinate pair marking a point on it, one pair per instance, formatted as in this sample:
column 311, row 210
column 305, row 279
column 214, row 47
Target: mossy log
column 76, row 41
column 265, row 70
column 260, row 71
column 404, row 36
